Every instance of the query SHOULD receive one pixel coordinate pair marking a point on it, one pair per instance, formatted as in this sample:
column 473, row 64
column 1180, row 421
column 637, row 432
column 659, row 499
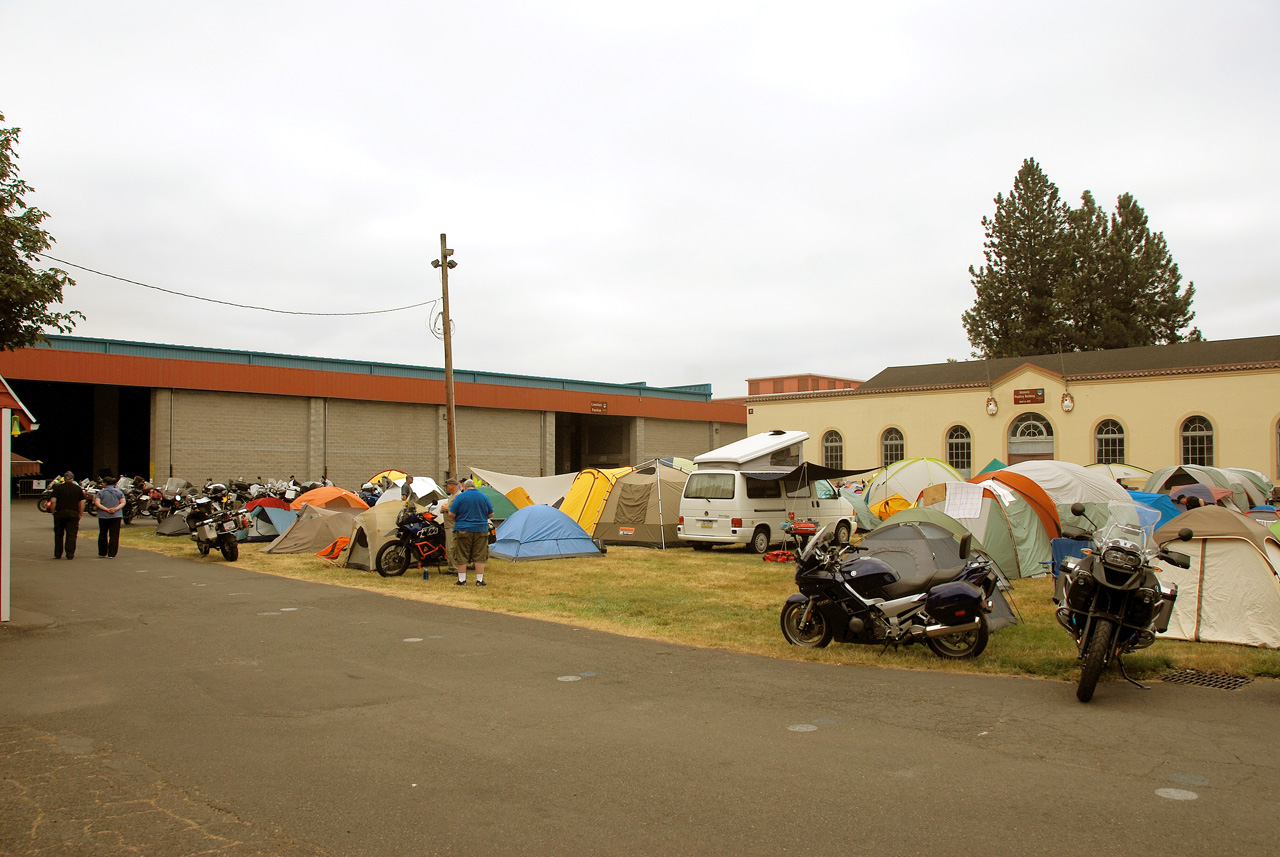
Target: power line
column 230, row 303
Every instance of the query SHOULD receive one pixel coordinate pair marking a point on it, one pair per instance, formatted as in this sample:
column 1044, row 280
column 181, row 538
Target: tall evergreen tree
column 1067, row 279
column 1027, row 261
column 25, row 293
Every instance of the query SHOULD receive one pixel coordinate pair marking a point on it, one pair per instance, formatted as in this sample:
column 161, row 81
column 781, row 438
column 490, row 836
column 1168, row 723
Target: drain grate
column 1221, row 681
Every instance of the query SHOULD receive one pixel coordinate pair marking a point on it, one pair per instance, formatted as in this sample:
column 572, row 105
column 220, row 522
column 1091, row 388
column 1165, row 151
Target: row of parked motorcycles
column 1109, row 599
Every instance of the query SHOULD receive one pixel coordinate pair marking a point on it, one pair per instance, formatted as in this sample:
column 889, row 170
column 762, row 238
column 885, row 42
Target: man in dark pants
column 67, row 505
column 110, row 503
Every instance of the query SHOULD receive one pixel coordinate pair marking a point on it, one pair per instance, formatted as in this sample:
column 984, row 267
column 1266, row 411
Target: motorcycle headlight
column 1120, row 558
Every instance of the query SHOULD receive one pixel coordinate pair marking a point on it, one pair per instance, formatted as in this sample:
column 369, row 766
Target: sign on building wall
column 602, row 407
column 1029, row 397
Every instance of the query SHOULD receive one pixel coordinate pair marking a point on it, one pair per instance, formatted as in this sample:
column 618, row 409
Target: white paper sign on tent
column 964, row 501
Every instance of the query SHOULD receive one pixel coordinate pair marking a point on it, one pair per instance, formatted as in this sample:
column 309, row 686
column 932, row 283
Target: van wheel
column 759, row 541
column 842, row 533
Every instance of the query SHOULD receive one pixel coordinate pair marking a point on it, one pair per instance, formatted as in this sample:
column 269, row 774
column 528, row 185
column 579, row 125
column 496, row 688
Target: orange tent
column 1040, row 502
column 329, row 497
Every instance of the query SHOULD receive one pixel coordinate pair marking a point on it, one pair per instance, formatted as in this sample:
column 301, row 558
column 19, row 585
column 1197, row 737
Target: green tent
column 993, row 464
column 1002, row 519
column 502, row 507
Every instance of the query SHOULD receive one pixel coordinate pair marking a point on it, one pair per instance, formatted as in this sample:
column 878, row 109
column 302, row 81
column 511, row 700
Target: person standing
column 67, row 505
column 469, row 512
column 451, row 491
column 110, row 503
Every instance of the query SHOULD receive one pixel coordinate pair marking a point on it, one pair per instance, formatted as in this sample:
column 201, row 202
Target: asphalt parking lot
column 161, row 706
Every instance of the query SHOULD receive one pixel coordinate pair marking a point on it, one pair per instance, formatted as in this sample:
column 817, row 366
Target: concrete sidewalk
column 164, row 706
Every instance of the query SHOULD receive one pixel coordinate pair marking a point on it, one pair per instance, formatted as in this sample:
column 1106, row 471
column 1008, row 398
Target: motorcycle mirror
column 1077, row 509
column 1185, row 534
column 965, row 541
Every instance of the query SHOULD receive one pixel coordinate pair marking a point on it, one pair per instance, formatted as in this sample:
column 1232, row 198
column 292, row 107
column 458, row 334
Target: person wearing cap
column 67, row 506
column 451, row 490
column 469, row 512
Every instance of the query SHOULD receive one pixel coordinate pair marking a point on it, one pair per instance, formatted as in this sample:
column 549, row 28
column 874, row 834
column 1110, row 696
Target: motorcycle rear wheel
column 969, row 644
column 43, row 504
column 814, row 634
column 393, row 559
column 230, row 548
column 1095, row 658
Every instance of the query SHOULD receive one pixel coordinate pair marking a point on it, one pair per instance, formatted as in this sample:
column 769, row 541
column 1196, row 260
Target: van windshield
column 709, row 486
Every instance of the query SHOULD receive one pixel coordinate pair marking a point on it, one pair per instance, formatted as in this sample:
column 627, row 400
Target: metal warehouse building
column 198, row 413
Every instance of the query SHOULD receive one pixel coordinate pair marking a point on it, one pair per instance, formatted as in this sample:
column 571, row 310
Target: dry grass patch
column 722, row 599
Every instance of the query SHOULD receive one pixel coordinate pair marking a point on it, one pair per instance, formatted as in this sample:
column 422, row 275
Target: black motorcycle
column 418, row 538
column 211, row 525
column 1110, row 600
column 864, row 600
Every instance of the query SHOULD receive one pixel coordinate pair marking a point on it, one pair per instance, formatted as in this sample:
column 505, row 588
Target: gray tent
column 919, row 550
column 314, row 530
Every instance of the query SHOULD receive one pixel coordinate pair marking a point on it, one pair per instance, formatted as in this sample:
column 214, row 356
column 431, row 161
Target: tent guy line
column 231, row 303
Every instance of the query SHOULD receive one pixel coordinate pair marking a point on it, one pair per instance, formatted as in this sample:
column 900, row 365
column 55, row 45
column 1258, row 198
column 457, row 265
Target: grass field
column 722, row 599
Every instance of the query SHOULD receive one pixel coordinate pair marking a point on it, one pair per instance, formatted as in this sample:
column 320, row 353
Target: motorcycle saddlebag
column 954, row 603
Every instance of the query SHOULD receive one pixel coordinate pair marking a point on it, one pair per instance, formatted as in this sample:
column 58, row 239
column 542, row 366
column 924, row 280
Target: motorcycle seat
column 921, row 582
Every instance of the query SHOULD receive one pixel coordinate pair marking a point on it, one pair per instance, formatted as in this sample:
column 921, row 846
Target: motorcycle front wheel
column 815, row 633
column 1095, row 658
column 968, row 644
column 203, row 547
column 393, row 559
column 43, row 504
column 230, row 548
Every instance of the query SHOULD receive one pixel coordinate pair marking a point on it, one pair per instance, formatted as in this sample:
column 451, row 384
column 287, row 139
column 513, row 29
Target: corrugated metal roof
column 691, row 393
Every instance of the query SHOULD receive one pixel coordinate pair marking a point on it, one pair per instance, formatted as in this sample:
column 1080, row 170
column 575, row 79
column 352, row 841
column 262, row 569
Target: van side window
column 798, row 490
column 824, row 490
column 762, row 489
column 709, row 486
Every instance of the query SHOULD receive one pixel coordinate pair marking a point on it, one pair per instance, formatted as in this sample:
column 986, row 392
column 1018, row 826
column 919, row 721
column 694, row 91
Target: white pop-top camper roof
column 750, row 450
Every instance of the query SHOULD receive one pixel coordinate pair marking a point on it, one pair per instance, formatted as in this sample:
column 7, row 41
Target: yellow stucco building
column 1214, row 403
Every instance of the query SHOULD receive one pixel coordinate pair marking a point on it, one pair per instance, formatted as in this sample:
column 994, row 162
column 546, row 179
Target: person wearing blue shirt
column 110, row 503
column 469, row 512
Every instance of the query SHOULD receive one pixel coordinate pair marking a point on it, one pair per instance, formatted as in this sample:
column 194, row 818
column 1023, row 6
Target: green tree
column 26, row 293
column 1099, row 281
column 1027, row 261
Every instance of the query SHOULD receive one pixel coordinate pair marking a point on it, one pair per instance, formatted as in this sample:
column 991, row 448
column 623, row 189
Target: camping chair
column 1063, row 549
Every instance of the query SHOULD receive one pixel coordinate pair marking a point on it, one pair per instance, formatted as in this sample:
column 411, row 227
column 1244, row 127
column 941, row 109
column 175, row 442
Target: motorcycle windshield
column 1131, row 526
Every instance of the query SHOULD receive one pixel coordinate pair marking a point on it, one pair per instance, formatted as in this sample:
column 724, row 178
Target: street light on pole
column 444, row 263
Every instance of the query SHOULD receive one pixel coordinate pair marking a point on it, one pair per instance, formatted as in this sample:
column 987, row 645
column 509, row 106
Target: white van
column 738, row 496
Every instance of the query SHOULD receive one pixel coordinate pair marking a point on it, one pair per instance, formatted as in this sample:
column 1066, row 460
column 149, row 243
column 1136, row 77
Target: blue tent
column 1161, row 503
column 265, row 523
column 541, row 532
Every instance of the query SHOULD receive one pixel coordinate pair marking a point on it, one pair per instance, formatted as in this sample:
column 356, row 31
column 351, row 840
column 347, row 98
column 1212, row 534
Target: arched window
column 1197, row 441
column 1030, row 436
column 960, row 450
column 1108, row 443
column 893, row 447
column 833, row 450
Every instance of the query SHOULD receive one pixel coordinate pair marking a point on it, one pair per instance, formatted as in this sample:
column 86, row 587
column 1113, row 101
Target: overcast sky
column 676, row 193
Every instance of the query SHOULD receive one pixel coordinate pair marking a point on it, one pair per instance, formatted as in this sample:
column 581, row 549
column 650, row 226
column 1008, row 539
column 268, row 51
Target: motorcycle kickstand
column 1120, row 663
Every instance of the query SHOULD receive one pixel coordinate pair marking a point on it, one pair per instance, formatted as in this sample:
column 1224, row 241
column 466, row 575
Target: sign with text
column 603, row 407
column 1029, row 397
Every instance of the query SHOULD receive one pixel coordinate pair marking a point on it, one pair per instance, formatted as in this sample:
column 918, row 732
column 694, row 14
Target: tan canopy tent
column 643, row 508
column 1231, row 592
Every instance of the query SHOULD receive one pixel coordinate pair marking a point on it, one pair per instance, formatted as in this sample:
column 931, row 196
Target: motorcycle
column 864, row 600
column 417, row 538
column 212, row 526
column 172, row 498
column 1110, row 600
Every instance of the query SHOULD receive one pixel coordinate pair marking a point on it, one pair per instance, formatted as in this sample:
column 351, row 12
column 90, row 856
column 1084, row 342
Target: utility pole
column 444, row 263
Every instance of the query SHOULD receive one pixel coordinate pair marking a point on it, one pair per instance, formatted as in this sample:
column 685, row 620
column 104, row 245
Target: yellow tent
column 586, row 498
column 891, row 505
